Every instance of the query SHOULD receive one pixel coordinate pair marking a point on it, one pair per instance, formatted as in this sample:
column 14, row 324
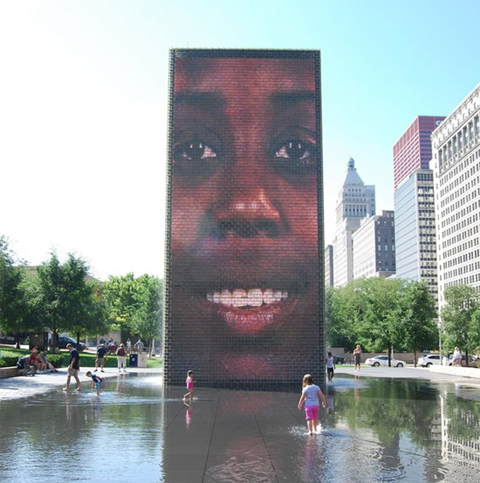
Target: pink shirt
column 189, row 382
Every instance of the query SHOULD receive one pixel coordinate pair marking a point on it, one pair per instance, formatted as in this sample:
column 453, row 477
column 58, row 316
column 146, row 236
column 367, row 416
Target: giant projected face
column 244, row 233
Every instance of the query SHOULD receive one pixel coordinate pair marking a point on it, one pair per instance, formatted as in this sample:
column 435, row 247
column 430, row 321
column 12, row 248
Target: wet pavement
column 382, row 425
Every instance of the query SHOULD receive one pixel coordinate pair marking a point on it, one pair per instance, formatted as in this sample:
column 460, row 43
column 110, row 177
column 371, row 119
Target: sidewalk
column 26, row 386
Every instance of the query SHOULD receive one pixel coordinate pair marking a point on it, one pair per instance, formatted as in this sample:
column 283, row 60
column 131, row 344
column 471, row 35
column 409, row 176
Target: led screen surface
column 244, row 274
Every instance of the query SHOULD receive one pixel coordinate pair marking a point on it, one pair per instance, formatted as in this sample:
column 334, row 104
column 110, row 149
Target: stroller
column 24, row 367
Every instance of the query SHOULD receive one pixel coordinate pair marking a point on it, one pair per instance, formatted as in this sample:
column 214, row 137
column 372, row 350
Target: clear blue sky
column 83, row 104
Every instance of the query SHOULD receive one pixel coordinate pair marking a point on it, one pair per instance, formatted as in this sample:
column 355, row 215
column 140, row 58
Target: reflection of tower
column 355, row 201
column 464, row 450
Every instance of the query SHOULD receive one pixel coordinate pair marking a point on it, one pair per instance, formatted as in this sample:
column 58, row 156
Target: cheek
column 301, row 214
column 189, row 207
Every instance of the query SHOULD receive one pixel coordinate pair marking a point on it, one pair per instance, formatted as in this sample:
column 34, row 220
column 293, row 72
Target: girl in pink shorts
column 189, row 382
column 311, row 395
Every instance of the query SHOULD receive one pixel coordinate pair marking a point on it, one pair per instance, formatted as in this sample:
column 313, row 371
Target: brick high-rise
column 414, row 149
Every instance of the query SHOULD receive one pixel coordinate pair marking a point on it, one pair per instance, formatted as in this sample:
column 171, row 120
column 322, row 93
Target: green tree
column 147, row 318
column 90, row 317
column 379, row 324
column 460, row 318
column 134, row 305
column 419, row 329
column 119, row 299
column 14, row 306
column 65, row 298
column 341, row 316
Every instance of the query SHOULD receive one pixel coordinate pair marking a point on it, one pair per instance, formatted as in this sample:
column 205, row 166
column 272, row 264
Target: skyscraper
column 456, row 167
column 414, row 148
column 415, row 229
column 355, row 201
column 374, row 246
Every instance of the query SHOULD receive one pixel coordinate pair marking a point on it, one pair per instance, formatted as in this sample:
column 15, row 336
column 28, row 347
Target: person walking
column 357, row 357
column 330, row 366
column 457, row 357
column 139, row 346
column 100, row 360
column 311, row 395
column 73, row 368
column 190, row 385
column 121, row 358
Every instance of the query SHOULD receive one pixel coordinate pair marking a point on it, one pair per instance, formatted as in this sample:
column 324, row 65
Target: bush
column 57, row 360
column 9, row 358
column 8, row 361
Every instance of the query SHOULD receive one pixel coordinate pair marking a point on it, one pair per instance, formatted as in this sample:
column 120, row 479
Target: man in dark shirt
column 100, row 360
column 73, row 368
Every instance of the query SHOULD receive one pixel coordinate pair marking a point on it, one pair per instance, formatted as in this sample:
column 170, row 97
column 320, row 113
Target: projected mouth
column 249, row 312
column 241, row 298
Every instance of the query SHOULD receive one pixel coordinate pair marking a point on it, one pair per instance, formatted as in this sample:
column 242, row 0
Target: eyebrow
column 200, row 99
column 292, row 97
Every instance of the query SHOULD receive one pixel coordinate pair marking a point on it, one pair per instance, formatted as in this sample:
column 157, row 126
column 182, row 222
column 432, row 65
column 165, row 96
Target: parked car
column 338, row 359
column 63, row 341
column 471, row 359
column 11, row 337
column 428, row 360
column 383, row 361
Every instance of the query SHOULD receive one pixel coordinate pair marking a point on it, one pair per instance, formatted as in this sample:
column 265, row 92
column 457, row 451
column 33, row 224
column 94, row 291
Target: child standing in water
column 311, row 395
column 189, row 383
column 330, row 366
column 96, row 380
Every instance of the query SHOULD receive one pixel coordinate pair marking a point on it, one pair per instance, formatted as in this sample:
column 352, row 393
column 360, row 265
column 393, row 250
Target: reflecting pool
column 374, row 430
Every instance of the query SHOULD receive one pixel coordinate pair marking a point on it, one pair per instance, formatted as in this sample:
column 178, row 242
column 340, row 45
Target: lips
column 247, row 298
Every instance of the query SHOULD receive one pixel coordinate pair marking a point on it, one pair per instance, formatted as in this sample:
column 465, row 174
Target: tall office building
column 456, row 166
column 374, row 246
column 355, row 201
column 329, row 266
column 415, row 229
column 414, row 149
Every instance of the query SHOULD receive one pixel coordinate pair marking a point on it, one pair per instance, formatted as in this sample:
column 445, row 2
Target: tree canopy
column 381, row 314
column 134, row 305
column 461, row 318
column 14, row 308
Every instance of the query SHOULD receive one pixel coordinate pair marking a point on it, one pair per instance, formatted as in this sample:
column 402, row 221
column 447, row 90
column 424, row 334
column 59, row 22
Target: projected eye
column 195, row 155
column 195, row 151
column 296, row 155
column 299, row 151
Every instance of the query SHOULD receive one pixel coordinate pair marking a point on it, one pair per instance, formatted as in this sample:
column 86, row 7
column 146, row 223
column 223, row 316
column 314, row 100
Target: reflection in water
column 188, row 412
column 372, row 431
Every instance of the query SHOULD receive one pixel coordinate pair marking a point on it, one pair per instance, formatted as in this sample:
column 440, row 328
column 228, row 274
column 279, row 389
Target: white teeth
column 239, row 297
column 254, row 297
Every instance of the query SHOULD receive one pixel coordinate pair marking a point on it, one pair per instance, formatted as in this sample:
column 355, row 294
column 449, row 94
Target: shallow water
column 375, row 430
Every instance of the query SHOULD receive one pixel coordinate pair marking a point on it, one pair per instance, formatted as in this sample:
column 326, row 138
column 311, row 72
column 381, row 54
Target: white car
column 428, row 360
column 383, row 361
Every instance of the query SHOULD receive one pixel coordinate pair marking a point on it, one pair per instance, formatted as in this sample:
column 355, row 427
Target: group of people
column 104, row 349
column 121, row 353
column 40, row 361
column 330, row 362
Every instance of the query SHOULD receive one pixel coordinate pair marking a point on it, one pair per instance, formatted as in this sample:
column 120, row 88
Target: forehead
column 225, row 75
